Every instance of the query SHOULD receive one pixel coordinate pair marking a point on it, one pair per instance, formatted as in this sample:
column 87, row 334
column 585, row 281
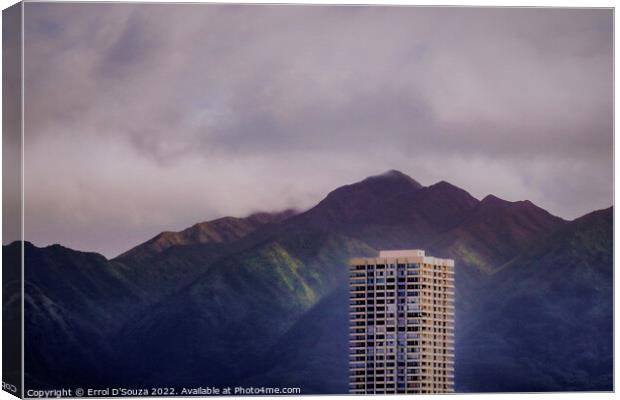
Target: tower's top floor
column 403, row 256
column 400, row 253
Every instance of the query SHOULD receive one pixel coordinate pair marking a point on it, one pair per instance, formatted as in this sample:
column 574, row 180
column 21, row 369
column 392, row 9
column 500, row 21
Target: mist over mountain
column 263, row 300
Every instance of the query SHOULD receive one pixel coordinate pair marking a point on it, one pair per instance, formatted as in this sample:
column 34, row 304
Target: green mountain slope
column 245, row 301
column 231, row 316
column 546, row 324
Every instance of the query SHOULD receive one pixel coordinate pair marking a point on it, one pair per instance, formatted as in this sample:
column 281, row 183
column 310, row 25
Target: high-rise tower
column 401, row 329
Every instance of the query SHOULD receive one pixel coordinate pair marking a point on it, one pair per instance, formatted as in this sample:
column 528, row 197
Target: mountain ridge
column 224, row 229
column 211, row 311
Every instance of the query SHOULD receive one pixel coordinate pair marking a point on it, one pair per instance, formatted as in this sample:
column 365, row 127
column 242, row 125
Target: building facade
column 401, row 323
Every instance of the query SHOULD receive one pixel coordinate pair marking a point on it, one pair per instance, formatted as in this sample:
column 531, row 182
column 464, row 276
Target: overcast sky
column 143, row 118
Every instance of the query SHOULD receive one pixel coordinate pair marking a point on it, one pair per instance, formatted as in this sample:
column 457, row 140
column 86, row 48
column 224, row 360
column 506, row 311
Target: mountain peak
column 360, row 201
column 445, row 187
column 393, row 176
column 492, row 199
column 374, row 187
column 394, row 173
column 494, row 202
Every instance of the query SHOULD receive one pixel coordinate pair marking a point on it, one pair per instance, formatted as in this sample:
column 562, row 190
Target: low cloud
column 147, row 117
